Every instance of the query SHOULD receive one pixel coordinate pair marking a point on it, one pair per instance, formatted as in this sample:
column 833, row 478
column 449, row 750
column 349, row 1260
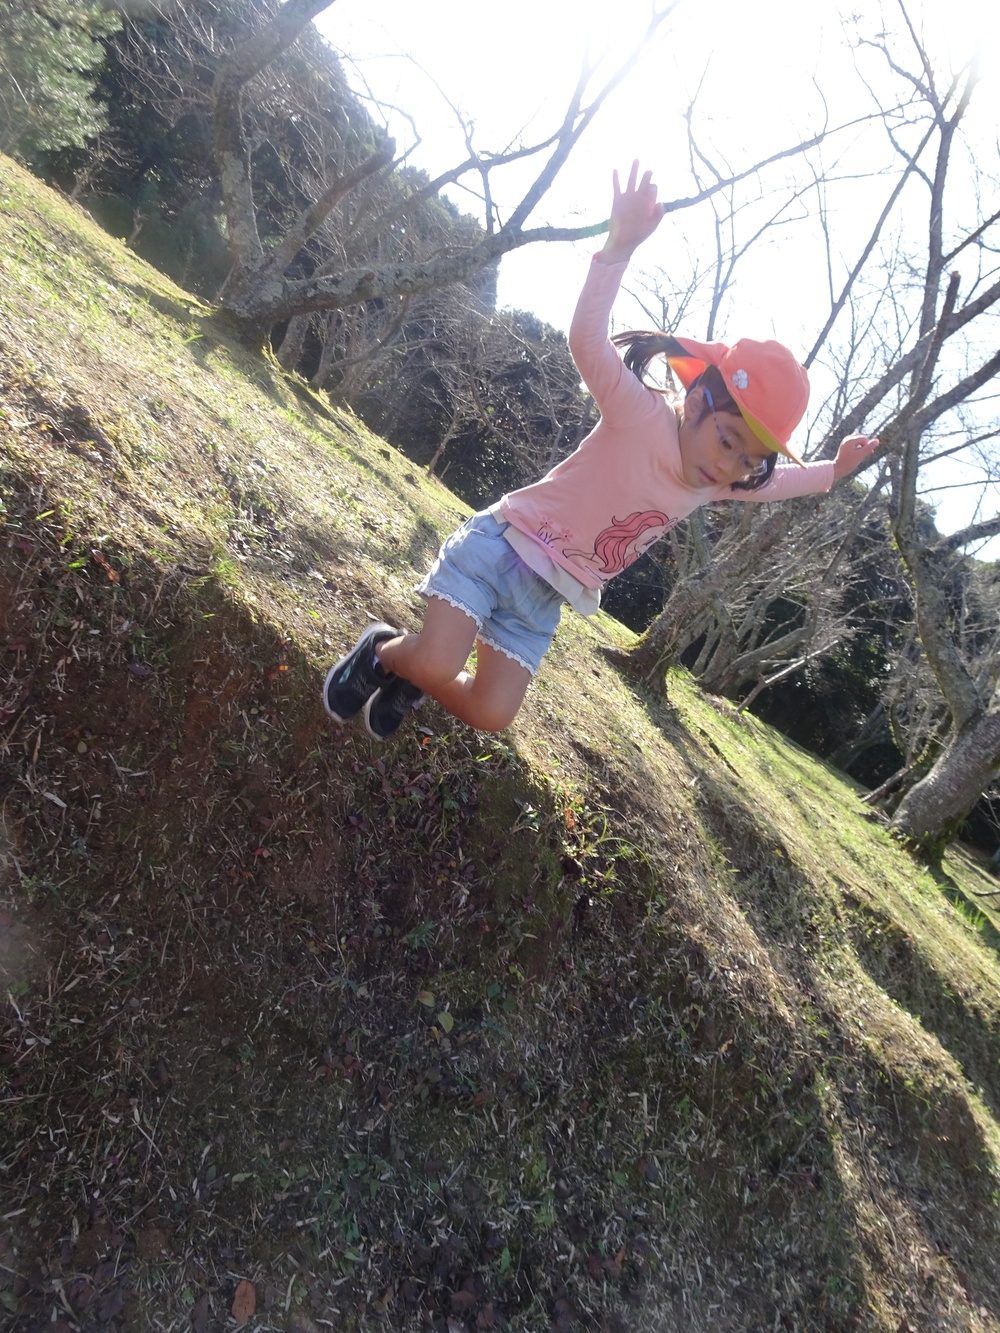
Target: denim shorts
column 479, row 572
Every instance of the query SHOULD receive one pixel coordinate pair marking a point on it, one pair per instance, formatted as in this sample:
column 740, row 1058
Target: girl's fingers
column 634, row 185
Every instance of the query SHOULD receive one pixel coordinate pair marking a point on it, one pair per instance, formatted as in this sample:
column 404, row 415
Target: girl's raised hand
column 854, row 450
column 635, row 215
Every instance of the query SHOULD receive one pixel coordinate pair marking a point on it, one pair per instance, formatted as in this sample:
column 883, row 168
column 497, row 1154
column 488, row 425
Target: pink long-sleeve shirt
column 622, row 489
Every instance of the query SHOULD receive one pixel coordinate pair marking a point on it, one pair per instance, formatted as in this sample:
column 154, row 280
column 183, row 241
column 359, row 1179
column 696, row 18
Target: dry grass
column 627, row 1019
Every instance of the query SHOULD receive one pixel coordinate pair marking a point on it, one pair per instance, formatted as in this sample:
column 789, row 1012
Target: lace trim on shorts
column 499, row 648
column 459, row 606
column 490, row 643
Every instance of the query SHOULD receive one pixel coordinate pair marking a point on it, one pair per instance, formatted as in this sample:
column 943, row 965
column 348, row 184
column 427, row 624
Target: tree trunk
column 665, row 638
column 932, row 811
column 290, row 351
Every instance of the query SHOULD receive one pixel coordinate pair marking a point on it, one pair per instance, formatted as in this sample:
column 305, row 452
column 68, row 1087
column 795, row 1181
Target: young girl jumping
column 500, row 581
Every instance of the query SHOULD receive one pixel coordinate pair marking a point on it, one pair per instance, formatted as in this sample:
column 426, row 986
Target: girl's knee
column 494, row 715
column 433, row 672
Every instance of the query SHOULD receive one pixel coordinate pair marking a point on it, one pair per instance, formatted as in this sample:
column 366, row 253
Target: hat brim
column 765, row 436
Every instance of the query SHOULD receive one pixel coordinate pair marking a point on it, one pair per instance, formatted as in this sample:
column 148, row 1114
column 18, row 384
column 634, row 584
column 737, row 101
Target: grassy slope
column 625, row 1019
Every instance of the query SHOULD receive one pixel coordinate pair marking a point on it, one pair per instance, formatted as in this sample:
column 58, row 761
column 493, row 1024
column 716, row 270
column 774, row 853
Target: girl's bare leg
column 435, row 661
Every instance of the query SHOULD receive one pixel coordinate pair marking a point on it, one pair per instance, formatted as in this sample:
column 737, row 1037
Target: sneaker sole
column 366, row 712
column 337, row 666
column 369, row 703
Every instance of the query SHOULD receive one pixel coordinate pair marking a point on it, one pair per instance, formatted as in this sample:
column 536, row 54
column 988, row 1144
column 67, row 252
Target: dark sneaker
column 352, row 681
column 395, row 701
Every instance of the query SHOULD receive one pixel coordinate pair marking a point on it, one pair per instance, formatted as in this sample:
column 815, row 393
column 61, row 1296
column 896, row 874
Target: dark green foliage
column 148, row 180
column 636, row 596
column 152, row 178
column 49, row 53
column 500, row 392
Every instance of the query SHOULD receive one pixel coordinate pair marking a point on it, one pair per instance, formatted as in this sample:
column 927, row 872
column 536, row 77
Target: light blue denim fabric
column 480, row 573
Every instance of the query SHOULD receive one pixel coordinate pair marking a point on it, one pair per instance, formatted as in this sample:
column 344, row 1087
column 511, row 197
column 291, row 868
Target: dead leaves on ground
column 244, row 1302
column 601, row 1265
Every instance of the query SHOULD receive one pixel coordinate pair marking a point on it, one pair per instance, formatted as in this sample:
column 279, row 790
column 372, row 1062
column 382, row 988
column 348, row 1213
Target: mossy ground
column 629, row 1018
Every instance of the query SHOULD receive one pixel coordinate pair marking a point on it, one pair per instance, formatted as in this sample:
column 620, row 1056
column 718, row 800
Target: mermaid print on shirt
column 621, row 544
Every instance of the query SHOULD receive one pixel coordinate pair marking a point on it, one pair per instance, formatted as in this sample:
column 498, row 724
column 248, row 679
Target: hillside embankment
column 626, row 1019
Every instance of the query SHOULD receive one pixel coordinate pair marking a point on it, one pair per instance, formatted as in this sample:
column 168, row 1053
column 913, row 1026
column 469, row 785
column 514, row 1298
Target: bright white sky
column 510, row 70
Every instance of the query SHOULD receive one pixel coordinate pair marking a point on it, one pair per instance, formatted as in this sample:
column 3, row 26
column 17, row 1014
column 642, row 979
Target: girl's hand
column 853, row 451
column 635, row 215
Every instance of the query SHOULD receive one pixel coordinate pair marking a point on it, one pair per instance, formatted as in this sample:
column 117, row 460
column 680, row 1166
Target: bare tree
column 261, row 294
column 913, row 365
column 271, row 282
column 937, row 384
column 358, row 342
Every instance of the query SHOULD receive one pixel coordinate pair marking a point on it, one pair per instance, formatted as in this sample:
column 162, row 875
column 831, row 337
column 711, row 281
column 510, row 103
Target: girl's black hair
column 640, row 349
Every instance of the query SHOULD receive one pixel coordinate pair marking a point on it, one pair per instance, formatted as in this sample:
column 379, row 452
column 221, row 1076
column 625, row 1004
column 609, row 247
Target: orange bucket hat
column 766, row 382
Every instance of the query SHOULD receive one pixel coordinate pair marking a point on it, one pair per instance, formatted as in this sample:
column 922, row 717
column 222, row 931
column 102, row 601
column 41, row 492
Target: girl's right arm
column 635, row 215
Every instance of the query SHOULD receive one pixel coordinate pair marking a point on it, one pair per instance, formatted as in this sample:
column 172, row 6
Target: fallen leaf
column 200, row 1314
column 614, row 1266
column 422, row 1256
column 111, row 1304
column 81, row 1294
column 446, row 1020
column 426, row 997
column 244, row 1302
column 380, row 1308
column 112, row 574
column 564, row 1316
column 151, row 1243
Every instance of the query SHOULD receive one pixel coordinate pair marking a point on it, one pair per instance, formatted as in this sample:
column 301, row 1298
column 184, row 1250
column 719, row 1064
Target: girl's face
column 718, row 450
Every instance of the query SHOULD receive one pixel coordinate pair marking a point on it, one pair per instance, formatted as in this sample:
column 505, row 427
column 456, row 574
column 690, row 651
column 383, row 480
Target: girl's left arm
column 788, row 481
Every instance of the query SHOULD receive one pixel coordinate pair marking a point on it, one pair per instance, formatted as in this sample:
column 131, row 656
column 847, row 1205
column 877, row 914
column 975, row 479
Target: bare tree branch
column 975, row 532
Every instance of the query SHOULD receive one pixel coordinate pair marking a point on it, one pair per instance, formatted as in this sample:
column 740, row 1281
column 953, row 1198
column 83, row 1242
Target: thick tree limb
column 958, row 393
column 976, row 532
column 336, row 291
